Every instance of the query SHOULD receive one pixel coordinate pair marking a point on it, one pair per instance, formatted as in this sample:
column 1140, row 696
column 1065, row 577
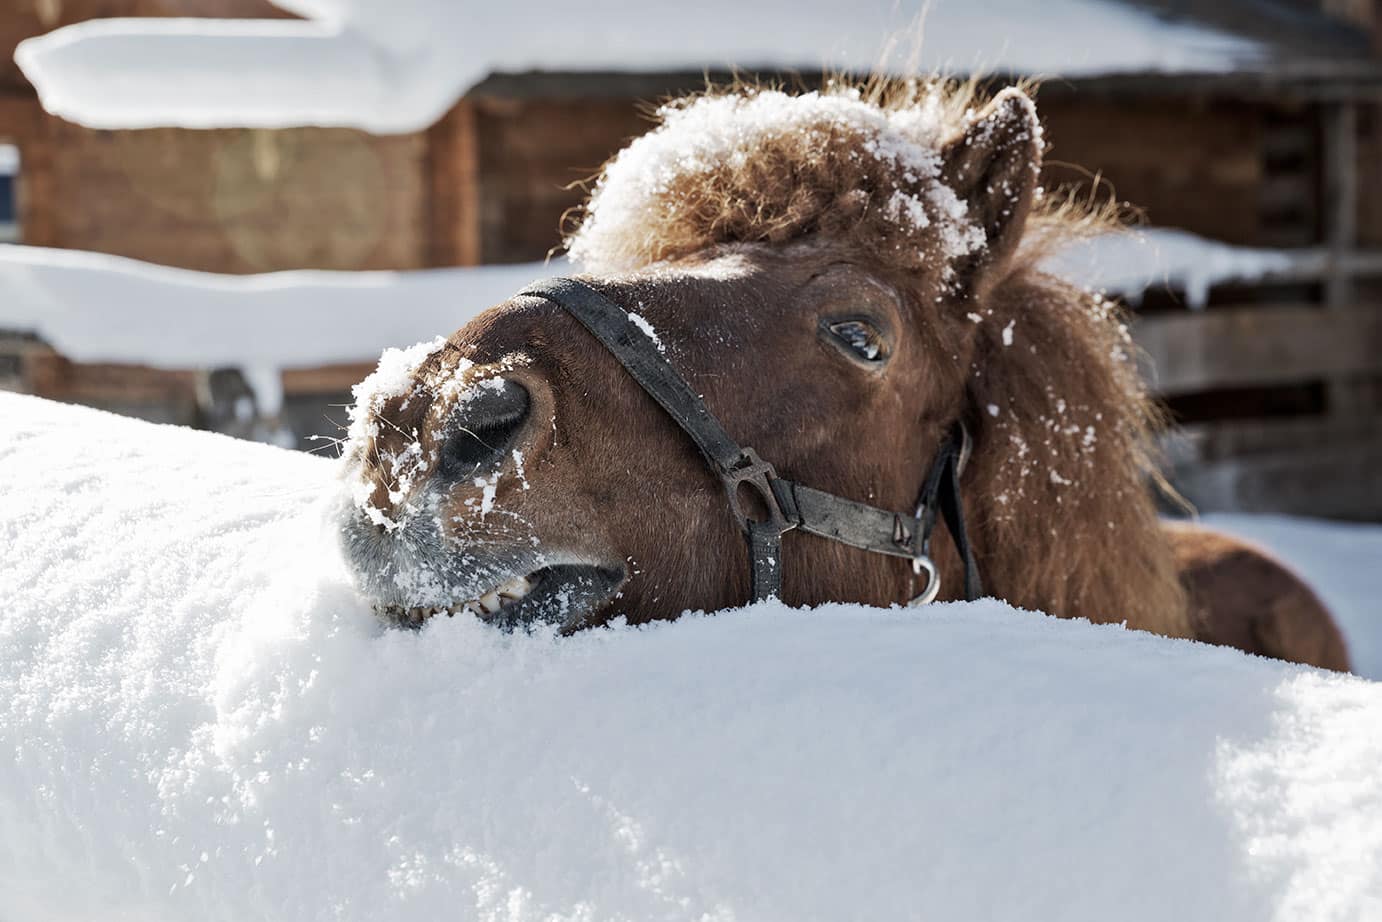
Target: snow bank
column 198, row 719
column 396, row 67
column 97, row 308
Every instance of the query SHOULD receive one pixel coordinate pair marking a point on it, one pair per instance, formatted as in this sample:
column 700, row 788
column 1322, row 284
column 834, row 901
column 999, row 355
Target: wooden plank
column 328, row 379
column 453, row 174
column 1199, row 443
column 1259, row 345
column 1340, row 194
column 1330, row 481
column 48, row 374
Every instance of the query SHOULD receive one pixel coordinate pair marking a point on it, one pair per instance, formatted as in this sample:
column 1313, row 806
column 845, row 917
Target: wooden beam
column 1259, row 345
column 1342, row 480
column 1198, row 443
column 453, row 157
column 1340, row 194
column 328, row 379
column 47, row 374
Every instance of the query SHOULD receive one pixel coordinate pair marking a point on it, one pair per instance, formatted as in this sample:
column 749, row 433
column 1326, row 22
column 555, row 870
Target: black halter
column 789, row 505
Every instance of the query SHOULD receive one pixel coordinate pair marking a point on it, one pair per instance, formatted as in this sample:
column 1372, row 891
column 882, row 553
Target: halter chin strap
column 787, row 505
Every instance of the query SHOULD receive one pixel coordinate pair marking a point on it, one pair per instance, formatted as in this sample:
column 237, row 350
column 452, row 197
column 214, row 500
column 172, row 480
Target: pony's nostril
column 484, row 430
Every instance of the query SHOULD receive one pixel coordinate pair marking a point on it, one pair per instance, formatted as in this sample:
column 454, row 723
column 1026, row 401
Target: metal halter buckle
column 759, row 474
column 921, row 563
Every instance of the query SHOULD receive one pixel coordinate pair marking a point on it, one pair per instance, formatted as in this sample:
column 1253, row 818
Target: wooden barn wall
column 1197, row 167
column 1370, row 177
column 531, row 151
column 1189, row 165
column 230, row 200
column 224, row 201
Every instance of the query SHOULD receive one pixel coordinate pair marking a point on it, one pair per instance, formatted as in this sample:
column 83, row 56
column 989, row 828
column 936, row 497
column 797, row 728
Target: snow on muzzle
column 564, row 595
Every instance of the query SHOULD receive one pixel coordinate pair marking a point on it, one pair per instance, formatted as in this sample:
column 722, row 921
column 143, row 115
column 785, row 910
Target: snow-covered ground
column 398, row 66
column 199, row 720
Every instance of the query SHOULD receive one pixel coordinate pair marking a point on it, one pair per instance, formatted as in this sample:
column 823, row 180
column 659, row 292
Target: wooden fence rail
column 1259, row 345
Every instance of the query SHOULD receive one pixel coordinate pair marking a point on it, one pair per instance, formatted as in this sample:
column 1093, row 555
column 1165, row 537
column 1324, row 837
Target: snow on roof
column 92, row 307
column 399, row 66
column 1128, row 263
column 201, row 720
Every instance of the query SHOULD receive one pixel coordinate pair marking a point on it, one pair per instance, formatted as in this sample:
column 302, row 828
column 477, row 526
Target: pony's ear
column 992, row 166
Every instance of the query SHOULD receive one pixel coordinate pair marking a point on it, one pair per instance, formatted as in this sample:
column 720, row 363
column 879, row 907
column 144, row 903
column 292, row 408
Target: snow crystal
column 489, row 487
column 1008, row 333
column 992, row 409
column 642, row 323
column 391, row 378
column 199, row 719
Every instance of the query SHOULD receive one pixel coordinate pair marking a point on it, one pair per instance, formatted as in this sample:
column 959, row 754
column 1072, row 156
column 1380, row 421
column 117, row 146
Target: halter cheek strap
column 788, row 505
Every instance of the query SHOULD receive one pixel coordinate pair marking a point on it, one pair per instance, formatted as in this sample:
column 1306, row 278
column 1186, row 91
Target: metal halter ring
column 758, row 474
column 932, row 588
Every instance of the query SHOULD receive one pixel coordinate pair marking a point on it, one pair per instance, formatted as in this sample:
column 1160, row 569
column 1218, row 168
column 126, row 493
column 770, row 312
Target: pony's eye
column 862, row 338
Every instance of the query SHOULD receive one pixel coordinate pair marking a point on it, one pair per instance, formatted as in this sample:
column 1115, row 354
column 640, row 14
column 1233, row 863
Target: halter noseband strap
column 789, row 505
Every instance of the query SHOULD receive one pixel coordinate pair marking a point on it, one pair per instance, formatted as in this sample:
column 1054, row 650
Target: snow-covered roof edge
column 398, row 67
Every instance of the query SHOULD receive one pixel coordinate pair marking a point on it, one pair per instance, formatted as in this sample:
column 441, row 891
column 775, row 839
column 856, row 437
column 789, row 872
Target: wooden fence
column 1279, row 405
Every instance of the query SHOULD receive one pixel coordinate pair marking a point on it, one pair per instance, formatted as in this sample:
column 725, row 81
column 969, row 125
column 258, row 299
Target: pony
column 843, row 276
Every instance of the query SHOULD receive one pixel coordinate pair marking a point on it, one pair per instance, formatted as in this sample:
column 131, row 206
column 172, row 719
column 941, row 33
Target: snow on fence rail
column 96, row 308
column 199, row 719
column 92, row 307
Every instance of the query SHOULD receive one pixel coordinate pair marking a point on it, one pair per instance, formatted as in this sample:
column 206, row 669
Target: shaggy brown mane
column 1062, row 425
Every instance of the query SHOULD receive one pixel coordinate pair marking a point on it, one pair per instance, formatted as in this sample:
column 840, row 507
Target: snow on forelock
column 199, row 719
column 702, row 135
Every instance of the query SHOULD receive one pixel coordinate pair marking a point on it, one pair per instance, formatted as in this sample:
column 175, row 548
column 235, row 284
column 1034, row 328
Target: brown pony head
column 842, row 276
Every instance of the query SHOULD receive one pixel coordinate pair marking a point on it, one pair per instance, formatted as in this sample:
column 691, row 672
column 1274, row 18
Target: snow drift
column 198, row 719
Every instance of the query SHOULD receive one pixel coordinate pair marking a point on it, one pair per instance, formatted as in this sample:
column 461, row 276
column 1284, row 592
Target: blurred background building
column 1275, row 377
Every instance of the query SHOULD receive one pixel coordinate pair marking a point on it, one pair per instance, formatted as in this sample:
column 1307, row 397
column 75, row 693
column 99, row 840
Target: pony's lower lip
column 564, row 595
